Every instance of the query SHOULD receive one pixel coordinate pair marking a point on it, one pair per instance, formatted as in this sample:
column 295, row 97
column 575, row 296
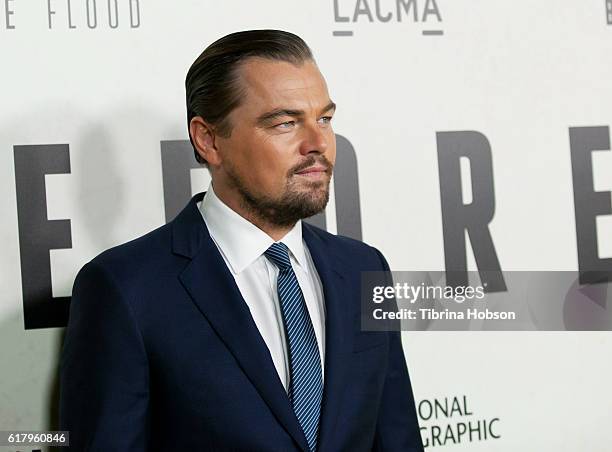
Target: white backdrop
column 519, row 72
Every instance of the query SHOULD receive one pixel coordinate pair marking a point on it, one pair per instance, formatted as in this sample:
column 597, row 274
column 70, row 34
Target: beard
column 299, row 199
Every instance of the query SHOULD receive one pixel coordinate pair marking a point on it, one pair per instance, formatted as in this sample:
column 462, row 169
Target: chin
column 315, row 201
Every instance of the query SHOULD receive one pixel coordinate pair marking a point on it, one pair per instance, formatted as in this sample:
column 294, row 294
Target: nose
column 314, row 139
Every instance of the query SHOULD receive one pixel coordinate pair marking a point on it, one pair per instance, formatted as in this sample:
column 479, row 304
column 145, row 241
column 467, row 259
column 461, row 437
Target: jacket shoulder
column 141, row 248
column 138, row 262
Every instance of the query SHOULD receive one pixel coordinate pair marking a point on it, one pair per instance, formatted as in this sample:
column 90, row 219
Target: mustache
column 311, row 160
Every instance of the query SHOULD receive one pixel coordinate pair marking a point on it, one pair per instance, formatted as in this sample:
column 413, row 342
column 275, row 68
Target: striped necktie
column 306, row 382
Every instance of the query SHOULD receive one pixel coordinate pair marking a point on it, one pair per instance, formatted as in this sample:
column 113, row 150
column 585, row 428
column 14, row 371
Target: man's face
column 278, row 160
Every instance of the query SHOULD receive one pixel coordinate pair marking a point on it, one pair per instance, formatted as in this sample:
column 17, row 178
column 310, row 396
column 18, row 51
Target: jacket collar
column 239, row 240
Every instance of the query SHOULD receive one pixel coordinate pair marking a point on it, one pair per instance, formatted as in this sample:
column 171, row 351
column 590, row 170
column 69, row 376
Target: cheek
column 330, row 153
column 246, row 155
column 269, row 163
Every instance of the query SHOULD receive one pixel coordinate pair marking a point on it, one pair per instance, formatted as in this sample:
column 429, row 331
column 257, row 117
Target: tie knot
column 278, row 253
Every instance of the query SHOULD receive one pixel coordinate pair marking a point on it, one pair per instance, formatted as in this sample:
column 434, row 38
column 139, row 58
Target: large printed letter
column 588, row 204
column 38, row 235
column 474, row 217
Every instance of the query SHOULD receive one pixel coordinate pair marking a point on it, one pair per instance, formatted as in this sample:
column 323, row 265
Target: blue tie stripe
column 306, row 380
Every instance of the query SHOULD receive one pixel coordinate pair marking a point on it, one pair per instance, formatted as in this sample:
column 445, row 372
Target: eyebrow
column 279, row 112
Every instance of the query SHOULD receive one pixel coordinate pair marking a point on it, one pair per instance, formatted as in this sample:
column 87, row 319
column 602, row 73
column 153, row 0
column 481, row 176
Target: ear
column 203, row 137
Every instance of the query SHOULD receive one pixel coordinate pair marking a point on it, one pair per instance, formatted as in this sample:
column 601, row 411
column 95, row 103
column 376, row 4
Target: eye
column 325, row 120
column 285, row 125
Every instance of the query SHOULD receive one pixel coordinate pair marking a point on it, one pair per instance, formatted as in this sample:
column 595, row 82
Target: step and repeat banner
column 473, row 136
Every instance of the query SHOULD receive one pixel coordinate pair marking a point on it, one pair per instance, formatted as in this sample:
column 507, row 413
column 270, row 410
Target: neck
column 238, row 205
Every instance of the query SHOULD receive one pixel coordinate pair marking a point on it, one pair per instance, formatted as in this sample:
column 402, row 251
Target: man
column 236, row 326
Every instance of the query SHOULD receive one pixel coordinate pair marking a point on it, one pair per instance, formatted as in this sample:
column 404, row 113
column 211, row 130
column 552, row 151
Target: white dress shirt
column 242, row 245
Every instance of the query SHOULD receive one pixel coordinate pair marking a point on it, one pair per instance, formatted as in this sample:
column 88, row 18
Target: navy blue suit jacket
column 161, row 354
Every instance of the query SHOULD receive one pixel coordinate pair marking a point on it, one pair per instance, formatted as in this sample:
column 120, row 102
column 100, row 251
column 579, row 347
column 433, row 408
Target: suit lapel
column 214, row 291
column 338, row 333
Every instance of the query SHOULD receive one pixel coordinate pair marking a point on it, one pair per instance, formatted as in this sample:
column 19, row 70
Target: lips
column 313, row 170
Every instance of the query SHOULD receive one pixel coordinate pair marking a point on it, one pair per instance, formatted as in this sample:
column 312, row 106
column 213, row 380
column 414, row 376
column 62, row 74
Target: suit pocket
column 366, row 340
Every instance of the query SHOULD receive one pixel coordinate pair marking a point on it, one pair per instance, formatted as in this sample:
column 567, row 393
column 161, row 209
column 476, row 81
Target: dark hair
column 211, row 86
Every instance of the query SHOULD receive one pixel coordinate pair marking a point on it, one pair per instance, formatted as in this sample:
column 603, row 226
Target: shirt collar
column 239, row 240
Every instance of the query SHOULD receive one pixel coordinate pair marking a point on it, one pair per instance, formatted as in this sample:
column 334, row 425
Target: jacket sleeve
column 397, row 428
column 103, row 369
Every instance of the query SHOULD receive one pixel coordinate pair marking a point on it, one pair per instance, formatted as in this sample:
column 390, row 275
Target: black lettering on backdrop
column 404, row 10
column 407, row 6
column 69, row 8
column 386, row 18
column 113, row 14
column 431, row 9
column 362, row 8
column 50, row 12
column 95, row 14
column 337, row 16
column 38, row 235
column 588, row 204
column 134, row 13
column 92, row 13
column 177, row 160
column 473, row 217
column 346, row 189
column 7, row 15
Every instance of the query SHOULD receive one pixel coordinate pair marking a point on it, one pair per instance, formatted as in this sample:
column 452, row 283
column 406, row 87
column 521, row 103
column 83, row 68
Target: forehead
column 280, row 84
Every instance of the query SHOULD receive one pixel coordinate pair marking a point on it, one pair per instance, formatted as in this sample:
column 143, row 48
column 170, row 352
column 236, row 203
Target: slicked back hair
column 212, row 83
